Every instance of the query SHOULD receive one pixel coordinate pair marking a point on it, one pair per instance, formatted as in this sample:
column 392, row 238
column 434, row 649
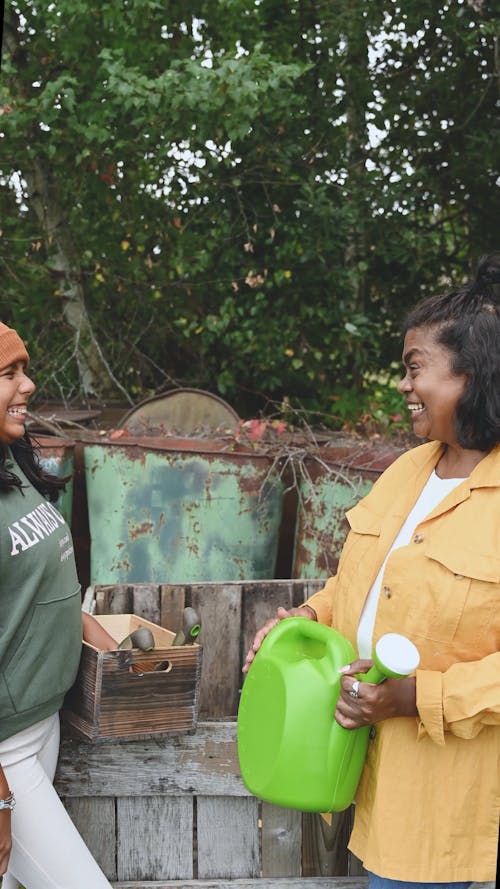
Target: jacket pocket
column 459, row 595
column 361, row 543
column 46, row 660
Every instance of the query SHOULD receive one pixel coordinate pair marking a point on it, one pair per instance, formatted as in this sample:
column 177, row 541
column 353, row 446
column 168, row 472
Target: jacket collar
column 485, row 475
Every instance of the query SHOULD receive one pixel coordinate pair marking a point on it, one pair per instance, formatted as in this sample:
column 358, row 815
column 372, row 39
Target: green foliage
column 253, row 192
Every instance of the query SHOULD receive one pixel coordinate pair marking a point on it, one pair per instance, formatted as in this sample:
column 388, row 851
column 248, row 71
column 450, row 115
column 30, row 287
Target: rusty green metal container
column 180, row 511
column 56, row 456
column 331, row 482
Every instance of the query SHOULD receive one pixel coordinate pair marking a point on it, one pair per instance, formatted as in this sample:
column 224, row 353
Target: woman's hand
column 282, row 613
column 96, row 635
column 5, row 840
column 373, row 703
column 5, row 832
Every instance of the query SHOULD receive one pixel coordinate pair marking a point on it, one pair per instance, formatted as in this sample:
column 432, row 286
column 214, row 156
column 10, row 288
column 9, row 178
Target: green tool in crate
column 291, row 750
column 143, row 638
column 191, row 626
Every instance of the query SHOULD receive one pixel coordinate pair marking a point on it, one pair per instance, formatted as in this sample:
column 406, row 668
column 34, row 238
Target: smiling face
column 431, row 389
column 15, row 391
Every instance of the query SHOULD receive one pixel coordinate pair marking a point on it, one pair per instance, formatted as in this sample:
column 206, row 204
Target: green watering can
column 291, row 750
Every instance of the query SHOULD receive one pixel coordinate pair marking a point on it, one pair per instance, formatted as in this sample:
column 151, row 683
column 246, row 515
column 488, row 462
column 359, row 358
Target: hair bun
column 488, row 274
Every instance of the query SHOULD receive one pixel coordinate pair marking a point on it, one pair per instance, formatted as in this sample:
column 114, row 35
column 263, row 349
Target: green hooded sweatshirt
column 40, row 608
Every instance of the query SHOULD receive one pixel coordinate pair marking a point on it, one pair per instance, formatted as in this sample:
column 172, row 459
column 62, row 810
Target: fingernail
column 345, row 669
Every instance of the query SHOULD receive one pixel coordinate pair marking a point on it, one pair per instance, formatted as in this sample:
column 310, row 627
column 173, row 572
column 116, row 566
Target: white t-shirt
column 435, row 490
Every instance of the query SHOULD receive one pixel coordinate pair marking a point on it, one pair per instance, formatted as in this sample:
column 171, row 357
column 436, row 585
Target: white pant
column 47, row 850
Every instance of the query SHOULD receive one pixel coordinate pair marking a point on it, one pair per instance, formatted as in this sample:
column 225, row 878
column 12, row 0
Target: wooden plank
column 219, row 608
column 95, row 821
column 82, row 702
column 154, row 838
column 309, row 587
column 88, row 600
column 260, row 602
column 172, row 604
column 325, row 846
column 146, row 602
column 355, row 867
column 204, row 762
column 262, row 598
column 273, row 883
column 228, row 845
column 113, row 599
column 281, row 841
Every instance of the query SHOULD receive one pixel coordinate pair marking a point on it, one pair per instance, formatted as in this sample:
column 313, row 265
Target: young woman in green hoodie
column 41, row 632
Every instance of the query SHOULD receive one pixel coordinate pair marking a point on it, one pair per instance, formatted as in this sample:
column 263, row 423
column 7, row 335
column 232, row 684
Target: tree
column 245, row 196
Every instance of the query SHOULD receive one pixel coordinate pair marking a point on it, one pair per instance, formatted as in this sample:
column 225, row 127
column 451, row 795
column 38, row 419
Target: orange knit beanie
column 12, row 348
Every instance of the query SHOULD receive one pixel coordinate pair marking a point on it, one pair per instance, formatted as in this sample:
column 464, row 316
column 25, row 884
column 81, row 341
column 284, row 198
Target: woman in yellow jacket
column 423, row 558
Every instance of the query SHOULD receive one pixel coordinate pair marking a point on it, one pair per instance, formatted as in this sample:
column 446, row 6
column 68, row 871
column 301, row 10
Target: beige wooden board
column 281, row 841
column 204, row 762
column 120, row 625
column 154, row 838
column 219, row 608
column 227, row 837
column 172, row 604
column 95, row 821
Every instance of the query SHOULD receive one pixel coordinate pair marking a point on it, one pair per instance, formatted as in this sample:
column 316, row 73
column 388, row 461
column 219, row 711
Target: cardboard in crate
column 131, row 693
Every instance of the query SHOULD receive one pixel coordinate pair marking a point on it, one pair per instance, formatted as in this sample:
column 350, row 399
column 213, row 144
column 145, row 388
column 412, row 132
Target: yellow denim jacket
column 428, row 804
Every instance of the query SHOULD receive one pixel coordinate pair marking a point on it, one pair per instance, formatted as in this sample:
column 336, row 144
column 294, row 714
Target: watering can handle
column 309, row 629
column 336, row 648
column 394, row 656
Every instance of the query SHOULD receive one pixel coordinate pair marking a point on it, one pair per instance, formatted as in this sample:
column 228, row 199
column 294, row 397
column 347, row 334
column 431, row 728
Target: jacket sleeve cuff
column 322, row 602
column 430, row 705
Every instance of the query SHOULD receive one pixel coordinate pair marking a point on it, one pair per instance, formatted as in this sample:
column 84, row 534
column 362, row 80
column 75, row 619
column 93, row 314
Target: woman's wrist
column 4, row 786
column 7, row 802
column 405, row 696
column 310, row 612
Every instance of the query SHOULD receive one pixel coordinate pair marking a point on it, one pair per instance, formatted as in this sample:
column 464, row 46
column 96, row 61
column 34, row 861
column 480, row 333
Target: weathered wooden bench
column 173, row 811
column 176, row 809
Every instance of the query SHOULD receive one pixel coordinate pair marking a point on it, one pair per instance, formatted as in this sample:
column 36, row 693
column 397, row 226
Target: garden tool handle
column 191, row 626
column 141, row 637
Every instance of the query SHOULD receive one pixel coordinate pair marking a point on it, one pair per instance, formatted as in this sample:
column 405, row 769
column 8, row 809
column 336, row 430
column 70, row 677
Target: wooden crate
column 133, row 694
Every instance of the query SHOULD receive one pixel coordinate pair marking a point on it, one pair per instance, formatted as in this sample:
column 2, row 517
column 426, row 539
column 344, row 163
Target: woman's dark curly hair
column 25, row 455
column 467, row 321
